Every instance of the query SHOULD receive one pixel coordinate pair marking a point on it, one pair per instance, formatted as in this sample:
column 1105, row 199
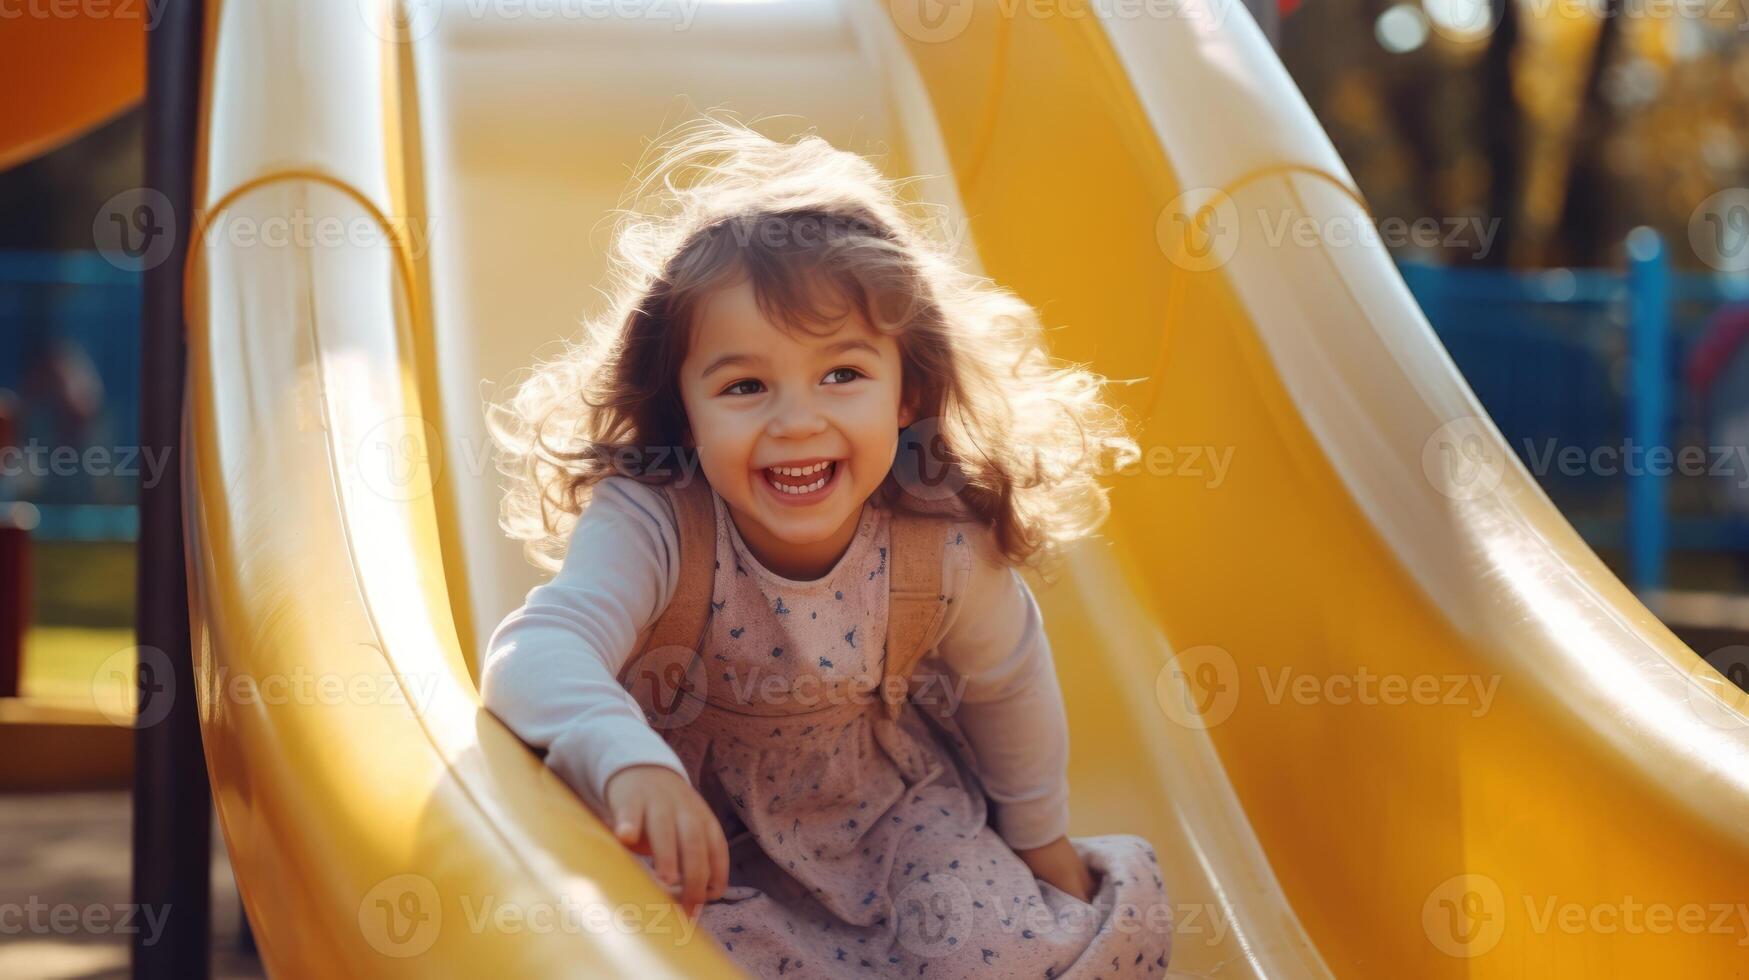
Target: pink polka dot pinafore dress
column 859, row 845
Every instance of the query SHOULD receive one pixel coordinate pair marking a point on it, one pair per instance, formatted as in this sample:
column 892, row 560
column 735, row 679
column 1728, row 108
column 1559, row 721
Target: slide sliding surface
column 379, row 822
column 1322, row 506
column 1462, row 746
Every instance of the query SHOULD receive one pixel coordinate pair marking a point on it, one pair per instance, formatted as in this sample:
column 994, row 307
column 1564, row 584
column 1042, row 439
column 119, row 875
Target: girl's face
column 827, row 409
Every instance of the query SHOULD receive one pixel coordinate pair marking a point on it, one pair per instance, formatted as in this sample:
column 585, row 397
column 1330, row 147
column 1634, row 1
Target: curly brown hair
column 1026, row 433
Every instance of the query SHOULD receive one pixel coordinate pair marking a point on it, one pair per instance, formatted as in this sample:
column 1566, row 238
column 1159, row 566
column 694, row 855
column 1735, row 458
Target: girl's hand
column 657, row 812
column 1058, row 864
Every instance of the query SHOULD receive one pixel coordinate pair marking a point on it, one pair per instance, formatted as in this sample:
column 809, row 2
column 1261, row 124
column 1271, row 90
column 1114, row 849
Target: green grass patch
column 82, row 583
column 87, row 666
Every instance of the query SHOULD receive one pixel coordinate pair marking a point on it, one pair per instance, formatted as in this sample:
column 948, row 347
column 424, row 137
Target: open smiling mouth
column 801, row 484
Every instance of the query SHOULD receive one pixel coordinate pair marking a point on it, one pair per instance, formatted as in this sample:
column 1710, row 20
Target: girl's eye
column 733, row 389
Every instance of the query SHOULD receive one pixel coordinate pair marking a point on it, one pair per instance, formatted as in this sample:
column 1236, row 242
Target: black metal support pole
column 15, row 570
column 172, row 801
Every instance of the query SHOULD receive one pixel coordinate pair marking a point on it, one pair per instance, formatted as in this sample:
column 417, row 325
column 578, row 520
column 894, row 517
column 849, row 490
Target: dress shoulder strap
column 915, row 605
column 682, row 623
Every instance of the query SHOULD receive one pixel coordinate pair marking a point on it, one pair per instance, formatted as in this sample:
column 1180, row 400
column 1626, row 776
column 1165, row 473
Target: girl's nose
column 796, row 417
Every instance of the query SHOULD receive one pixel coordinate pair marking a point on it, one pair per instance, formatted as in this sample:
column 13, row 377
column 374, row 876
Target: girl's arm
column 1009, row 705
column 551, row 666
column 551, row 675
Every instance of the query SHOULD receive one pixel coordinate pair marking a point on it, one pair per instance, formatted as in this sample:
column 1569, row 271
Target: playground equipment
column 1605, row 359
column 64, row 69
column 68, row 67
column 1126, row 174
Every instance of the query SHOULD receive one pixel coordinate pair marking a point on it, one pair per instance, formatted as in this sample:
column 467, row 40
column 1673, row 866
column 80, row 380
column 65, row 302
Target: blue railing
column 1649, row 401
column 1561, row 358
column 1592, row 361
column 68, row 319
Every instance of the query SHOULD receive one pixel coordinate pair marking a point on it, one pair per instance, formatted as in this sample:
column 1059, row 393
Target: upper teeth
column 800, row 470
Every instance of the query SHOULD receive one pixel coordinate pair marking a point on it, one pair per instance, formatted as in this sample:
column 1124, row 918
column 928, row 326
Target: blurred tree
column 1499, row 127
column 1566, row 122
column 1582, row 233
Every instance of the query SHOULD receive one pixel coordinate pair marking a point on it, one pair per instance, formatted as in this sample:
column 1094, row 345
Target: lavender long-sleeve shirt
column 551, row 666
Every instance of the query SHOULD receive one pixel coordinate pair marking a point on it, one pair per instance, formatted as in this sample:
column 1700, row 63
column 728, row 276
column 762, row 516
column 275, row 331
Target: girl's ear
column 907, row 415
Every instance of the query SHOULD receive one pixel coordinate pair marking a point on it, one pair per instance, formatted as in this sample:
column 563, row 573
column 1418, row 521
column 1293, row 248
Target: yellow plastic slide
column 1380, row 710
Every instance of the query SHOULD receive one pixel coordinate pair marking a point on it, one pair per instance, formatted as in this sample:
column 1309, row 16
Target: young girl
column 783, row 320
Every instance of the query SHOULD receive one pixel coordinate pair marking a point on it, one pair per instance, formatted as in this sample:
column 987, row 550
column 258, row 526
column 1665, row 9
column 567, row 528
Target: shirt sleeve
column 1010, row 706
column 552, row 665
